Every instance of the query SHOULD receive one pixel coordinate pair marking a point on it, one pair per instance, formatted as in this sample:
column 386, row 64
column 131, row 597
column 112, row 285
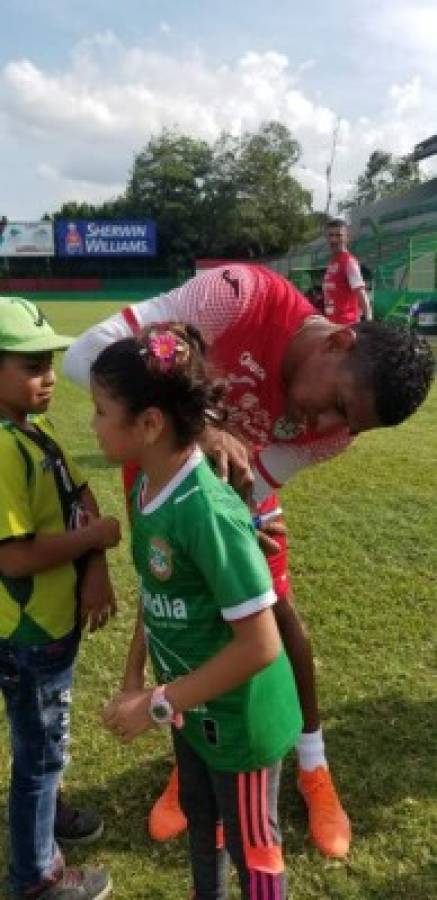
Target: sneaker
column 74, row 884
column 329, row 826
column 76, row 826
column 166, row 819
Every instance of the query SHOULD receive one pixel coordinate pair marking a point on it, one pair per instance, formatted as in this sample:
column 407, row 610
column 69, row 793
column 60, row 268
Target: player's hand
column 106, row 532
column 97, row 598
column 231, row 459
column 268, row 525
column 127, row 714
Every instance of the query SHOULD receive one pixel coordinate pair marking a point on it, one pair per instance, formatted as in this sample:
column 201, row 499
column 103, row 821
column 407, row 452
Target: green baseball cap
column 24, row 328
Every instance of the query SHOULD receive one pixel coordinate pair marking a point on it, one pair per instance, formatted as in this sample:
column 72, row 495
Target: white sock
column 311, row 750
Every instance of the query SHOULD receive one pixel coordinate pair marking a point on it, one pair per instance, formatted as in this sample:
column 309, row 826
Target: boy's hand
column 127, row 714
column 97, row 598
column 106, row 532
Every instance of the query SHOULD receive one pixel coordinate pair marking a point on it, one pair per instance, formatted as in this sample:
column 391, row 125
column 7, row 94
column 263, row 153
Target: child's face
column 27, row 381
column 119, row 436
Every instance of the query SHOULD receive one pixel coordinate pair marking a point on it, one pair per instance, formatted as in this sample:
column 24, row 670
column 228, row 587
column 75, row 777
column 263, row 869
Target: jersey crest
column 285, row 430
column 160, row 559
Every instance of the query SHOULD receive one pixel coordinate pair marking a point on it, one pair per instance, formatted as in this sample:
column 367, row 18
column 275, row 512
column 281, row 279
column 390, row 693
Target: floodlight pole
column 330, row 165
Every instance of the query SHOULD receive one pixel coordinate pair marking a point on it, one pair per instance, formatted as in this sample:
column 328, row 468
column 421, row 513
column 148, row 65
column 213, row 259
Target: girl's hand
column 127, row 714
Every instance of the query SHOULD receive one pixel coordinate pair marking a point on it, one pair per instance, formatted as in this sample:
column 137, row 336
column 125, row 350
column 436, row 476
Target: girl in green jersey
column 224, row 683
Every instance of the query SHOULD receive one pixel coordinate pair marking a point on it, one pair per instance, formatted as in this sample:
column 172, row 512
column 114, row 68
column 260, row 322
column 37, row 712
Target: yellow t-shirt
column 40, row 608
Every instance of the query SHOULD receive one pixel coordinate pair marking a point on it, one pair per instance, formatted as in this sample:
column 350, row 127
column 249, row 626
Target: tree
column 167, row 184
column 265, row 207
column 235, row 198
column 384, row 175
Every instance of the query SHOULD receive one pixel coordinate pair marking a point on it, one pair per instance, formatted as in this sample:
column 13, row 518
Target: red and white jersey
column 246, row 315
column 341, row 280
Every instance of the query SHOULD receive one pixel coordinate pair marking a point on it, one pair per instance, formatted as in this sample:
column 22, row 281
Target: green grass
column 363, row 536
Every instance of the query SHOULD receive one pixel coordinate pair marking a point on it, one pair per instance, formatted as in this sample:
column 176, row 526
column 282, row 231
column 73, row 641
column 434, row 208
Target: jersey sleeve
column 16, row 520
column 275, row 464
column 227, row 553
column 353, row 274
column 212, row 301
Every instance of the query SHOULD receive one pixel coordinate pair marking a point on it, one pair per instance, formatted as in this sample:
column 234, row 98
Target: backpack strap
column 54, row 459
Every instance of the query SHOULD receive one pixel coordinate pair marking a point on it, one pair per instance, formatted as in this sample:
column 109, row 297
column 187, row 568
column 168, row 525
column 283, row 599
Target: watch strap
column 158, row 694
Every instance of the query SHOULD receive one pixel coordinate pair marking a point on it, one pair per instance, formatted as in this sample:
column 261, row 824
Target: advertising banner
column 105, row 237
column 26, row 239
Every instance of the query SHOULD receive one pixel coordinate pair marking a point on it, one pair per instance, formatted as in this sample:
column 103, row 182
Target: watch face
column 161, row 712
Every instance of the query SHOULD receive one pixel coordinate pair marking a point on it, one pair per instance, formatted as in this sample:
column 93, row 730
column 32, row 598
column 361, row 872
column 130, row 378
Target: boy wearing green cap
column 53, row 579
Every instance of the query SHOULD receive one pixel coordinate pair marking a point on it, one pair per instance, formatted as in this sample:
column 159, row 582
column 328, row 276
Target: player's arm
column 77, row 361
column 209, row 301
column 356, row 283
column 364, row 303
column 275, row 464
column 32, row 554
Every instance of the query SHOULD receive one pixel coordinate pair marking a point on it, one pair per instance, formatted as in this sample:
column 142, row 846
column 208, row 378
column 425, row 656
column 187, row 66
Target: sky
column 85, row 83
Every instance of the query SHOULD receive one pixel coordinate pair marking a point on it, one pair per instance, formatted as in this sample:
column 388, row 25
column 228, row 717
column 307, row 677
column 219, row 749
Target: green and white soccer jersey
column 40, row 608
column 201, row 568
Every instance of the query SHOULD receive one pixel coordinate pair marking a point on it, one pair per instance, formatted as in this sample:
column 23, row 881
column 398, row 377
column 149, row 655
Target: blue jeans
column 36, row 683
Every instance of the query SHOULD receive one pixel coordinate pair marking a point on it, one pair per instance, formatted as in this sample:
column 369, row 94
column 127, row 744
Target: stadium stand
column 396, row 243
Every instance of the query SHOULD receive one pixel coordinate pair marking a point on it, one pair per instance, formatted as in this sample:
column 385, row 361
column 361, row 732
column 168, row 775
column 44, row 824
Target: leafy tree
column 235, row 198
column 265, row 207
column 167, row 183
column 384, row 175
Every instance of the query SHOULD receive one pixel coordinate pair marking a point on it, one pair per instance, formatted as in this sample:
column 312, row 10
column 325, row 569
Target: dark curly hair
column 136, row 372
column 397, row 364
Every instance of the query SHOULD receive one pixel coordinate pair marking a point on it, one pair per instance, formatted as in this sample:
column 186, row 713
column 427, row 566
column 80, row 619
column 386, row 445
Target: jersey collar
column 192, row 462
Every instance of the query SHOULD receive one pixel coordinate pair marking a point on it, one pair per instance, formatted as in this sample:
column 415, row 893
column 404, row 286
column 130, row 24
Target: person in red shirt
column 297, row 389
column 344, row 292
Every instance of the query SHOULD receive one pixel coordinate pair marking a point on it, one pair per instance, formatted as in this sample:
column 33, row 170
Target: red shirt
column 247, row 315
column 340, row 282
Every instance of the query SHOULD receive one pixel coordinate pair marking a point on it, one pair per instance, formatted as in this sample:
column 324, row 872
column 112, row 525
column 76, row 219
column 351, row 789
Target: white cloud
column 80, row 190
column 407, row 97
column 410, row 25
column 85, row 123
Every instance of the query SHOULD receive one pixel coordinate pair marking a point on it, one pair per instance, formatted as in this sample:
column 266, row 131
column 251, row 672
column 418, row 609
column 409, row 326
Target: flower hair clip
column 166, row 348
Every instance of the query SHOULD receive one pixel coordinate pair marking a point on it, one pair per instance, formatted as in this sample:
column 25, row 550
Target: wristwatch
column 161, row 710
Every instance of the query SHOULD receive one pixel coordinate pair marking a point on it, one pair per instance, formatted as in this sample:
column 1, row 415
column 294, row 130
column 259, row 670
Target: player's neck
column 301, row 345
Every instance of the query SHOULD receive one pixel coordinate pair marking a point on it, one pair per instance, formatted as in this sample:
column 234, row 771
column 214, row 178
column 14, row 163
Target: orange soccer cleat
column 166, row 819
column 329, row 826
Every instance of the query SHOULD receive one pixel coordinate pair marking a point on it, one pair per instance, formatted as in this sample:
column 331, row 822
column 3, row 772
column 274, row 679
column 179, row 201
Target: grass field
column 364, row 537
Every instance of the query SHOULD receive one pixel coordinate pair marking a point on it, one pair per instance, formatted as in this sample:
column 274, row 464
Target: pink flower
column 163, row 346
